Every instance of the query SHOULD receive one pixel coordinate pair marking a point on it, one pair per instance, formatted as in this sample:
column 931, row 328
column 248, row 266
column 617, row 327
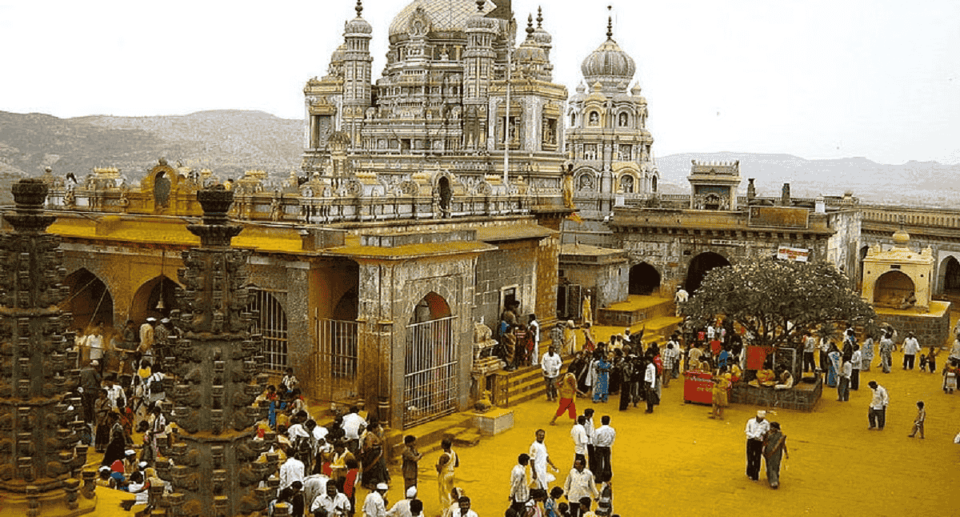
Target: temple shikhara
column 461, row 188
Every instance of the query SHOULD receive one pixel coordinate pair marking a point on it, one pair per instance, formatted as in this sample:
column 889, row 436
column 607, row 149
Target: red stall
column 698, row 387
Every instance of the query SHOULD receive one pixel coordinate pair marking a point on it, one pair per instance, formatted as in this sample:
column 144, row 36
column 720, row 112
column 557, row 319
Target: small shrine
column 714, row 185
column 899, row 278
column 899, row 284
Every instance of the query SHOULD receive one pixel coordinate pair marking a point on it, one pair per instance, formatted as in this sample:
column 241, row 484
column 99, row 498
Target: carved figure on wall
column 594, row 118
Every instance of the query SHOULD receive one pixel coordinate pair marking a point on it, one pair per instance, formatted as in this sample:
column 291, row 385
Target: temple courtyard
column 677, row 461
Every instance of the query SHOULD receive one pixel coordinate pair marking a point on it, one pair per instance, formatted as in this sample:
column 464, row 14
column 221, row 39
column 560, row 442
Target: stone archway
column 155, row 298
column 90, row 301
column 699, row 267
column 950, row 276
column 644, row 279
column 892, row 288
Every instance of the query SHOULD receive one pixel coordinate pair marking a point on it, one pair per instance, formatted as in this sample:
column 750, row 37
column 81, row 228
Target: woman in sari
column 510, row 349
column 373, row 461
column 774, row 448
column 601, row 377
column 866, row 354
column 446, row 465
column 833, row 359
column 722, row 381
column 578, row 367
column 589, row 344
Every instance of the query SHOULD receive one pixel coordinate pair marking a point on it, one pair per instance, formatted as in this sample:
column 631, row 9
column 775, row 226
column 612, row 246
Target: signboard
column 794, row 254
column 778, row 217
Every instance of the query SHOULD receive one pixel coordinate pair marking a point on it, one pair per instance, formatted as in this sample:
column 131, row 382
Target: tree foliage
column 764, row 296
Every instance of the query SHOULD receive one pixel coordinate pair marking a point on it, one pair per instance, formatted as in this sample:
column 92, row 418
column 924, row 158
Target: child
column 290, row 380
column 918, row 422
column 931, row 360
column 550, row 506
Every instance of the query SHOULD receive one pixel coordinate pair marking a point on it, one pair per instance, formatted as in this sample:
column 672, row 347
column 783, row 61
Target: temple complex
column 461, row 183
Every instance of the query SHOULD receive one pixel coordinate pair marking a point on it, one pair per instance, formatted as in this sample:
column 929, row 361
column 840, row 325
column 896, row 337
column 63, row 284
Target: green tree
column 777, row 300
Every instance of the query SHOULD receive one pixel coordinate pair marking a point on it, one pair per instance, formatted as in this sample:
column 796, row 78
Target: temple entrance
column 90, row 302
column 644, row 279
column 430, row 385
column 698, row 269
column 337, row 351
column 950, row 271
column 893, row 289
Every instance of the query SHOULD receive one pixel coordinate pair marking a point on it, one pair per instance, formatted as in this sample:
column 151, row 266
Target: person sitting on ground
column 786, row 380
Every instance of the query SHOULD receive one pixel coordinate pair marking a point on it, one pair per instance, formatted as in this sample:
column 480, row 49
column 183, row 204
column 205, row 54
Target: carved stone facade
column 40, row 461
column 218, row 464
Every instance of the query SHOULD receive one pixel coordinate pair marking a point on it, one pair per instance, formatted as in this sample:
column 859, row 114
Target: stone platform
column 802, row 396
column 932, row 328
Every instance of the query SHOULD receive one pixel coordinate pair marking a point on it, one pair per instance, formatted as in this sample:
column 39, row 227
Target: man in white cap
column 402, row 507
column 374, row 505
column 756, row 429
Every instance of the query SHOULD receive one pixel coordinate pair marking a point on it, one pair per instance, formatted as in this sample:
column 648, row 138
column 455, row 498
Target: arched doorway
column 644, row 279
column 271, row 323
column 892, row 289
column 430, row 384
column 698, row 269
column 862, row 255
column 89, row 302
column 446, row 195
column 950, row 269
column 155, row 298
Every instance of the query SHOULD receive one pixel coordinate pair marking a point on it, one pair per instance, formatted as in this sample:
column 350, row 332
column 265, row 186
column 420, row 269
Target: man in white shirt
column 809, row 347
column 335, row 503
column 290, row 471
column 550, row 365
column 588, row 427
column 650, row 380
column 95, row 342
column 464, row 509
column 843, row 389
column 533, row 326
column 519, row 486
column 580, row 439
column 910, row 348
column 540, row 458
column 373, row 505
column 756, row 429
column 404, row 507
column 580, row 483
column 603, row 442
column 351, row 428
column 878, row 406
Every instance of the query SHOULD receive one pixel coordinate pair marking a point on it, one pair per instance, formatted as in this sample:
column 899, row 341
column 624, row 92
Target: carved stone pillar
column 217, row 379
column 39, row 461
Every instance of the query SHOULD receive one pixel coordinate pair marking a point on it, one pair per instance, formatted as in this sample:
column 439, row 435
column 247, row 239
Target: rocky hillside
column 229, row 142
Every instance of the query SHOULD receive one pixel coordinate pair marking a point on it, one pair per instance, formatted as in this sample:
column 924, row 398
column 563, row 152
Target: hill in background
column 229, row 142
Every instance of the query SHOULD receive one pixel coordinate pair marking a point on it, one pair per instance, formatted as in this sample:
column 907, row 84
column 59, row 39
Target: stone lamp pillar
column 40, row 462
column 218, row 463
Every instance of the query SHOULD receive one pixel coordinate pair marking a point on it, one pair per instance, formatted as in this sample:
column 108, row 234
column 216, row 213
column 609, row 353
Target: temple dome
column 441, row 15
column 357, row 26
column 608, row 62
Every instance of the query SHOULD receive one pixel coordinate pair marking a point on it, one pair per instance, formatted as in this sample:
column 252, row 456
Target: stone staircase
column 656, row 315
column 522, row 385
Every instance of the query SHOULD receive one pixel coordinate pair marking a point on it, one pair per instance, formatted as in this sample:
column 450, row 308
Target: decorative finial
column 529, row 25
column 610, row 22
column 539, row 17
column 481, row 4
column 359, row 7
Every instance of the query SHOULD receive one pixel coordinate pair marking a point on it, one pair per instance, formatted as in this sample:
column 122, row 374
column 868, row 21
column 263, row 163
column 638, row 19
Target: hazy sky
column 817, row 78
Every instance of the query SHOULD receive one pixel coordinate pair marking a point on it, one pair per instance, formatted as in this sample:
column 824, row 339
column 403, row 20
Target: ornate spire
column 539, row 17
column 359, row 7
column 530, row 28
column 481, row 4
column 610, row 23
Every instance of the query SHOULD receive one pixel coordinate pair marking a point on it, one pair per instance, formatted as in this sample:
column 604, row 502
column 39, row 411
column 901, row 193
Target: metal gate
column 430, row 384
column 336, row 359
column 271, row 323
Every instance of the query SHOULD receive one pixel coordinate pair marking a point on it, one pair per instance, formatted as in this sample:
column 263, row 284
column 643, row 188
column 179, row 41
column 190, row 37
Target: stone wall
column 508, row 266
